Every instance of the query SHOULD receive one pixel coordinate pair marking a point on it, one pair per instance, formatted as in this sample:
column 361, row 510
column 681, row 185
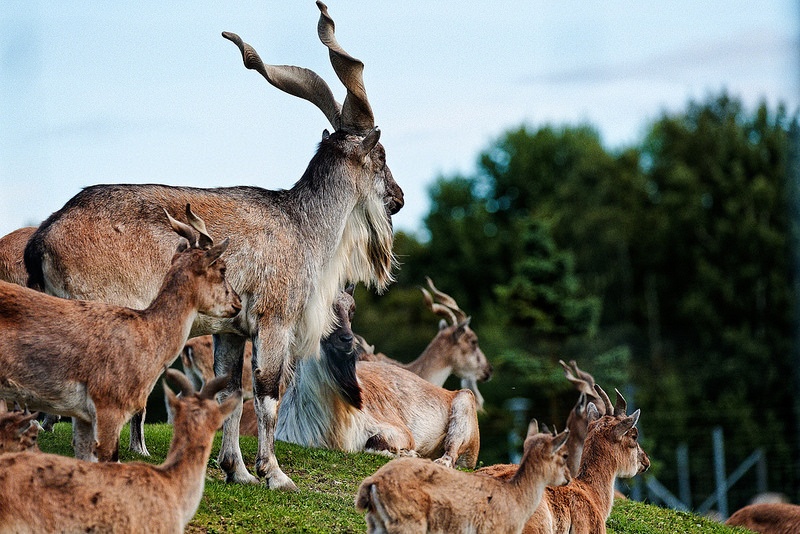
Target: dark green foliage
column 667, row 270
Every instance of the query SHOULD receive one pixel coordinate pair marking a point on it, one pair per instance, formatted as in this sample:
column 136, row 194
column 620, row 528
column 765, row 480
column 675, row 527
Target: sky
column 133, row 92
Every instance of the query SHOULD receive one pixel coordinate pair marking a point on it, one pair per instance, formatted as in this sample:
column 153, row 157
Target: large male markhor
column 290, row 250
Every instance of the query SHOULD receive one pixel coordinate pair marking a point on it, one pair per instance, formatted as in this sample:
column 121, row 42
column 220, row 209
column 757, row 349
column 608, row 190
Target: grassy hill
column 328, row 481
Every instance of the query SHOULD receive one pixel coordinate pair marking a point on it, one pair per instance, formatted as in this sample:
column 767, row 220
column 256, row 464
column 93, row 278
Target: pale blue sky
column 100, row 92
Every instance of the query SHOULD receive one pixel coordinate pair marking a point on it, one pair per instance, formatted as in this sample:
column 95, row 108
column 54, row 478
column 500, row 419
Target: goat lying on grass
column 454, row 349
column 74, row 358
column 767, row 518
column 417, row 495
column 338, row 403
column 611, row 450
column 19, row 431
column 42, row 492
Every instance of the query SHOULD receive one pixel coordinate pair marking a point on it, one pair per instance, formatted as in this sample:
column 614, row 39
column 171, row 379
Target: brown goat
column 19, row 431
column 416, row 495
column 339, row 403
column 454, row 349
column 290, row 250
column 50, row 493
column 73, row 357
column 768, row 518
column 611, row 450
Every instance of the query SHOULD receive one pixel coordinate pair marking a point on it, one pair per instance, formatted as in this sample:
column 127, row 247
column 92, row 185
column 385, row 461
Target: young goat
column 417, row 495
column 768, row 518
column 454, row 349
column 50, row 493
column 73, row 357
column 338, row 403
column 583, row 505
column 19, row 431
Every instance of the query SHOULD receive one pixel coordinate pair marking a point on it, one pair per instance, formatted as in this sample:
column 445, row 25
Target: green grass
column 328, row 481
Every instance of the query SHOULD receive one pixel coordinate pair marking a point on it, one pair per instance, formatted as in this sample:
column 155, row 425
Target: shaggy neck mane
column 354, row 232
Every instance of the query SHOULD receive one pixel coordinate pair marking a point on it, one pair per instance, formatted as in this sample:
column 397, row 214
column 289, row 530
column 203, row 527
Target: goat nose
column 346, row 338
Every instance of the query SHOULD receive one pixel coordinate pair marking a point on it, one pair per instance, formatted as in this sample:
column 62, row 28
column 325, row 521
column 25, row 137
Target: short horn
column 609, row 408
column 213, row 386
column 182, row 229
column 179, row 379
column 198, row 224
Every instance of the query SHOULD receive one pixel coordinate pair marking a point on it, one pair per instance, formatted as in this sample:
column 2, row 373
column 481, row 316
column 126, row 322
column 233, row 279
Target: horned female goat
column 290, row 250
column 611, row 450
column 75, row 358
column 454, row 349
column 416, row 495
column 338, row 403
column 50, row 493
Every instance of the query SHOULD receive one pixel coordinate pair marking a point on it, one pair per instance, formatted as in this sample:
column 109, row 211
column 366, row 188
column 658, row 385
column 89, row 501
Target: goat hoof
column 139, row 450
column 241, row 478
column 281, row 482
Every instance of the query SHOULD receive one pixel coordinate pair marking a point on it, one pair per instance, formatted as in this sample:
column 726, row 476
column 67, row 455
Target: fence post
column 684, row 483
column 719, row 473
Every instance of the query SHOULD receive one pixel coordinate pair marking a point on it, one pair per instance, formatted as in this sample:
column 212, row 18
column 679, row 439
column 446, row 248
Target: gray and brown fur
column 453, row 350
column 290, row 250
column 341, row 403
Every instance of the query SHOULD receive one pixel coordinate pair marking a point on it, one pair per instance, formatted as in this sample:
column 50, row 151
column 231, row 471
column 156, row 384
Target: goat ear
column 325, row 134
column 369, row 142
column 626, row 424
column 216, row 251
column 559, row 440
column 533, row 428
column 593, row 413
column 350, row 289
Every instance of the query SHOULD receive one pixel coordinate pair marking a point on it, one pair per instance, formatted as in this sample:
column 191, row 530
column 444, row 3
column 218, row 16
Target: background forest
column 667, row 270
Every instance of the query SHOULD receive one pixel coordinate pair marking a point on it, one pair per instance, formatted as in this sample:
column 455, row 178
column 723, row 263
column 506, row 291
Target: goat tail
column 363, row 497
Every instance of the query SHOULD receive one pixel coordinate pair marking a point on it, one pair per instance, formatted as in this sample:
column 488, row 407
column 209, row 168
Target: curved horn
column 622, row 406
column 609, row 408
column 198, row 224
column 180, row 380
column 213, row 386
column 447, row 300
column 182, row 229
column 297, row 81
column 438, row 309
column 356, row 111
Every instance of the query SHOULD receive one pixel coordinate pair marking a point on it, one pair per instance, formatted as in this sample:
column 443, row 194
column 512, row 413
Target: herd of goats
column 104, row 295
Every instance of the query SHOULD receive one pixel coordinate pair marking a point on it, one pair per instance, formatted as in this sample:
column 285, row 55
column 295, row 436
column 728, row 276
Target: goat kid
column 339, row 403
column 42, row 492
column 611, row 450
column 454, row 349
column 416, row 495
column 72, row 357
column 290, row 250
column 19, row 431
